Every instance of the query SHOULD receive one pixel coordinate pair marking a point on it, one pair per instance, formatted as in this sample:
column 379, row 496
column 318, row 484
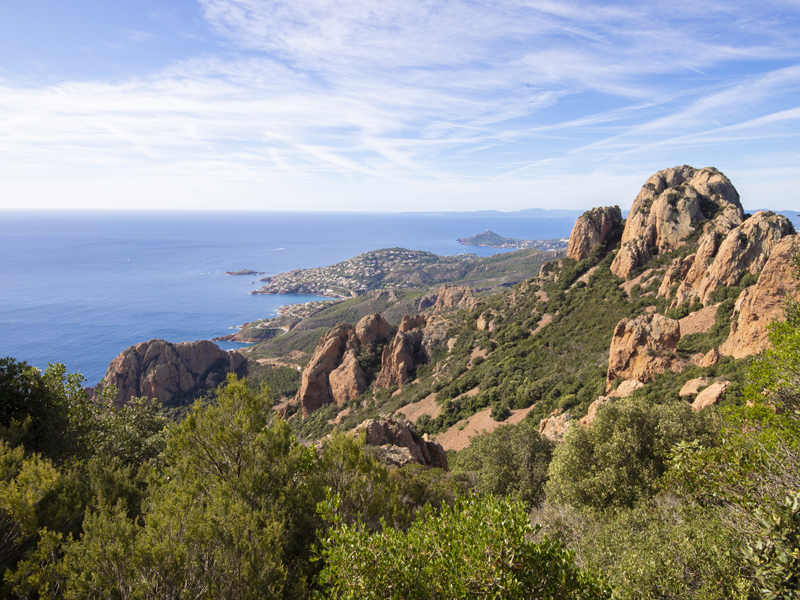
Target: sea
column 79, row 287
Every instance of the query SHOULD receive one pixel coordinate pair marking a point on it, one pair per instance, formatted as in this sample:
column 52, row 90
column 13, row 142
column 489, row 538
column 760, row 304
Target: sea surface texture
column 80, row 287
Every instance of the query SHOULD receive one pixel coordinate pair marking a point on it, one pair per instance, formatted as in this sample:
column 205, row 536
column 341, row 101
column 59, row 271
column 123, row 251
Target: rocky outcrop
column 161, row 370
column 745, row 248
column 761, row 304
column 642, row 348
column 454, row 297
column 593, row 408
column 711, row 395
column 665, row 210
column 333, row 374
column 555, row 426
column 373, row 329
column 347, row 381
column 408, row 323
column 400, row 443
column 625, row 389
column 592, row 229
column 400, row 358
column 693, row 386
column 315, row 388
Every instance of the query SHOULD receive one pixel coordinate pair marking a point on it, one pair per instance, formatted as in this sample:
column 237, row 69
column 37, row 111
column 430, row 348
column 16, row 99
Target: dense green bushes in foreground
column 651, row 501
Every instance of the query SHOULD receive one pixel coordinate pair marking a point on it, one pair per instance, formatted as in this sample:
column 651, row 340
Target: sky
column 392, row 105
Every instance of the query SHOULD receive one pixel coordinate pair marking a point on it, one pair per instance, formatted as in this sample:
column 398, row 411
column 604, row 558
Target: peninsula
column 402, row 269
column 491, row 239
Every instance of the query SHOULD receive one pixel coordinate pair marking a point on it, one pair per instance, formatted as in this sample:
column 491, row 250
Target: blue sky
column 392, row 105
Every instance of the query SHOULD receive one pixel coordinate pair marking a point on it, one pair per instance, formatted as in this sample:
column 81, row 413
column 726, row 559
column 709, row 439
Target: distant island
column 244, row 272
column 493, row 240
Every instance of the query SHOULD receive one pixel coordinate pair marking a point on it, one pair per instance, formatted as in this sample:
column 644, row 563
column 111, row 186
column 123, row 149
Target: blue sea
column 80, row 287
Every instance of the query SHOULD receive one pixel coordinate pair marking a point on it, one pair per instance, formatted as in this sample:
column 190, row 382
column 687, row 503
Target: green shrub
column 619, row 459
column 510, row 461
column 479, row 548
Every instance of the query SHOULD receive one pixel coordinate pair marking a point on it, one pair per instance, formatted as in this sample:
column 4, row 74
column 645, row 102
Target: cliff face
column 762, row 303
column 663, row 213
column 159, row 369
column 593, row 228
column 642, row 348
column 745, row 248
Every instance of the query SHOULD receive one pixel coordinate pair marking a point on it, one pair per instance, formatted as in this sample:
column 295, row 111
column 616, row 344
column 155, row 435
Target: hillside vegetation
column 639, row 435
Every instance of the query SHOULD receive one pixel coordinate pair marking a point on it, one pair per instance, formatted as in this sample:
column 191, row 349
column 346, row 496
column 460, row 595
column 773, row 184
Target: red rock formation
column 401, row 443
column 662, row 213
column 593, row 408
column 642, row 348
column 373, row 329
column 399, row 358
column 555, row 426
column 333, row 374
column 161, row 370
column 315, row 388
column 454, row 297
column 711, row 395
column 761, row 304
column 593, row 228
column 746, row 247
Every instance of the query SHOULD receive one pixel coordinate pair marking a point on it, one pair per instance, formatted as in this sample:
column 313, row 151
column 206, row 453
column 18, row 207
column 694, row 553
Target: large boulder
column 666, row 209
column 373, row 329
column 401, row 444
column 162, row 370
column 593, row 228
column 642, row 348
column 761, row 304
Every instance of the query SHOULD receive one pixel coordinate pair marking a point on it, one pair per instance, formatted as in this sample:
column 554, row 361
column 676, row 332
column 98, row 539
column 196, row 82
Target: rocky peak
column 667, row 209
column 373, row 329
column 161, row 370
column 593, row 228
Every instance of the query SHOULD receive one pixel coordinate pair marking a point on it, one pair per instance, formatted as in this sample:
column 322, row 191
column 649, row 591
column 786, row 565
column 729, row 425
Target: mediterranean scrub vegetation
column 652, row 500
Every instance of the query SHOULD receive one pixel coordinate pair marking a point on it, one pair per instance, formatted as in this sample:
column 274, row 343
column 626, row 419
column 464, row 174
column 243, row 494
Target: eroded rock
column 663, row 213
column 762, row 303
column 642, row 348
column 593, row 228
column 454, row 297
column 555, row 426
column 161, row 370
column 401, row 444
column 711, row 395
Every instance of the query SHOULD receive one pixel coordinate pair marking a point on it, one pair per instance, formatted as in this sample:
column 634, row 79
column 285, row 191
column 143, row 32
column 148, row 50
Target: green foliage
column 776, row 553
column 476, row 549
column 24, row 483
column 666, row 550
column 510, row 461
column 619, row 459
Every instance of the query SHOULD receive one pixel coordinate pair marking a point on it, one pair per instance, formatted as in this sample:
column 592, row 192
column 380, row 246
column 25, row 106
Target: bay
column 79, row 287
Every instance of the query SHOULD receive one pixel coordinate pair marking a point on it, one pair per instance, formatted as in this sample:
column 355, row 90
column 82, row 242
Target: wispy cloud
column 423, row 96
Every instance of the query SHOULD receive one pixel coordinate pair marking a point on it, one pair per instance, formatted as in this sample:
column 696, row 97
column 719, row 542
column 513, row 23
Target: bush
column 619, row 459
column 479, row 548
column 510, row 461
